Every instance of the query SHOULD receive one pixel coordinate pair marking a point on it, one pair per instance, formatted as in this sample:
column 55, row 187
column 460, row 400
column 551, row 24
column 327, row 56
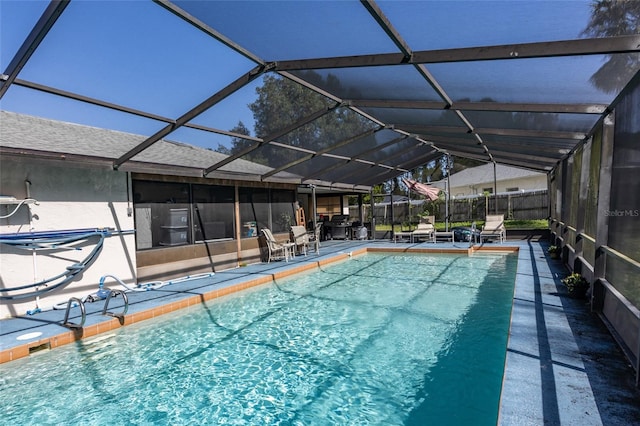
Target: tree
column 237, row 144
column 611, row 18
column 282, row 102
column 378, row 195
column 461, row 163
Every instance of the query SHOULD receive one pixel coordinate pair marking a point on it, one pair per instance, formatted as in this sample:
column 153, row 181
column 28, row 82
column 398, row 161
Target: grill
column 339, row 227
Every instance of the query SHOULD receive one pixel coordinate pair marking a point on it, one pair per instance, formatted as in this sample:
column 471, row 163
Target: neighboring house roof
column 24, row 134
column 476, row 176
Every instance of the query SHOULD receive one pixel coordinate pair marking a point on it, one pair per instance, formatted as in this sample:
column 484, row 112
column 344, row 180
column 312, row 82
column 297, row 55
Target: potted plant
column 423, row 215
column 554, row 252
column 576, row 284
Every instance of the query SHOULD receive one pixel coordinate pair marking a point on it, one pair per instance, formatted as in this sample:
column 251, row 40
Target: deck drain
column 29, row 336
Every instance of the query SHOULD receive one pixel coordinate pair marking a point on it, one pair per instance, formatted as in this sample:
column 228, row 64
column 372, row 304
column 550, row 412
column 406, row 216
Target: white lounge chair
column 277, row 250
column 425, row 230
column 494, row 227
column 300, row 238
column 315, row 236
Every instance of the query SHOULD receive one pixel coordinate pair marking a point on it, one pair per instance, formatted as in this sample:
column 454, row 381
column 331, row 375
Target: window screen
column 282, row 210
column 624, row 210
column 254, row 211
column 213, row 212
column 162, row 214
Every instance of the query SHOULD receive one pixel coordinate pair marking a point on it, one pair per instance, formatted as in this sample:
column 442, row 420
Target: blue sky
column 123, row 54
column 137, row 54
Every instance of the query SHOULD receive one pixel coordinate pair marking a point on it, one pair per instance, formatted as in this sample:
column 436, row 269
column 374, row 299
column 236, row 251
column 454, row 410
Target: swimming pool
column 378, row 339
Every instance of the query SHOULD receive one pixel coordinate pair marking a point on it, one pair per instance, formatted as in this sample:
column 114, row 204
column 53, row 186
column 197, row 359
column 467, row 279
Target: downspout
column 129, row 190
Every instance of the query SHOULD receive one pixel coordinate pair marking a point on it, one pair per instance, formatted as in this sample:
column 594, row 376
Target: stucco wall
column 68, row 197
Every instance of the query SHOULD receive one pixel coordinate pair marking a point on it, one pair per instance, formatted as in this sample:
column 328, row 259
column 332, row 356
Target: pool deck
column 562, row 365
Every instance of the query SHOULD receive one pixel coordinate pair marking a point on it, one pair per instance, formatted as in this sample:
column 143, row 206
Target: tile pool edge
column 50, row 342
column 469, row 251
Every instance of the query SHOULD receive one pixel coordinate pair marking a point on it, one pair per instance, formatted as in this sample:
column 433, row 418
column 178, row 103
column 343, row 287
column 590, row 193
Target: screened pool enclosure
column 520, row 83
column 344, row 95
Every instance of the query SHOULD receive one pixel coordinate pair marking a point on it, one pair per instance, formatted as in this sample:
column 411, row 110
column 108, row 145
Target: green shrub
column 575, row 282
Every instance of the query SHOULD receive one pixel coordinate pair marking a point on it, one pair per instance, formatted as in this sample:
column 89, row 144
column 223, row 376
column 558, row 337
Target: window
column 213, row 212
column 173, row 214
column 329, row 205
column 254, row 210
column 283, row 210
column 261, row 208
column 513, row 189
column 162, row 214
column 487, row 190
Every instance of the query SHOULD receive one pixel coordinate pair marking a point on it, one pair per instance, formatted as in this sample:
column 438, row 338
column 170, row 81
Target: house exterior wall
column 526, row 183
column 69, row 198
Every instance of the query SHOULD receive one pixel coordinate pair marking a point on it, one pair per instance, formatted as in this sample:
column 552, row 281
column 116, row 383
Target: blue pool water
column 378, row 339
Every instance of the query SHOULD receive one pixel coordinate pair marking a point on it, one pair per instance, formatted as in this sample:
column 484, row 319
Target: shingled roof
column 27, row 135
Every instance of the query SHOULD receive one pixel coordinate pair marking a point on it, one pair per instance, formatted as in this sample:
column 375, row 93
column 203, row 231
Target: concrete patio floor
column 562, row 365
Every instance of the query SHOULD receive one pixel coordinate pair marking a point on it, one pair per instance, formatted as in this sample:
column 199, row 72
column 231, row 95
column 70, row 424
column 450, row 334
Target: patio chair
column 300, row 238
column 425, row 229
column 494, row 227
column 315, row 236
column 277, row 251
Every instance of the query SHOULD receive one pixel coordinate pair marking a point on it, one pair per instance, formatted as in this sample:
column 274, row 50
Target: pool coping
column 110, row 323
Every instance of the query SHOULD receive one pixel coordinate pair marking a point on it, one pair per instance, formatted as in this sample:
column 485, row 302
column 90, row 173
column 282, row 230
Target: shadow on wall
column 123, row 242
column 16, row 215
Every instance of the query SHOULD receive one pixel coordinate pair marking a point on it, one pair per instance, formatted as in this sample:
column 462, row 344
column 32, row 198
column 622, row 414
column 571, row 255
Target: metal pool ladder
column 66, row 321
column 114, row 293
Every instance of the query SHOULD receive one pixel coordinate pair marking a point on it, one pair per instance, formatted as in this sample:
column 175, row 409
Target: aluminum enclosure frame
column 536, row 156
